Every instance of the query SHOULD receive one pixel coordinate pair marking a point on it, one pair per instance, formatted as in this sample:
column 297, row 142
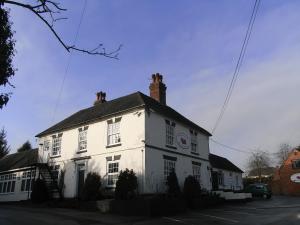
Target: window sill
column 195, row 153
column 114, row 145
column 170, row 146
column 82, row 151
column 110, row 186
column 9, row 193
column 55, row 156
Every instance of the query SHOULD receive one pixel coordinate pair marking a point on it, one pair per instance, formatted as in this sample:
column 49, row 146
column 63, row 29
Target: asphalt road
column 278, row 211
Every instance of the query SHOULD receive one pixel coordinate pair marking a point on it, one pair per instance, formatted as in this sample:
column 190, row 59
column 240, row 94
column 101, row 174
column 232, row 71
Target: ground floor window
column 197, row 172
column 7, row 183
column 169, row 166
column 55, row 172
column 113, row 173
column 221, row 178
column 27, row 180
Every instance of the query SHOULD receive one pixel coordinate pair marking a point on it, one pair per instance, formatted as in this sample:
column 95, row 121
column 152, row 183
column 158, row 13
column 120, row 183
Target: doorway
column 80, row 179
column 215, row 180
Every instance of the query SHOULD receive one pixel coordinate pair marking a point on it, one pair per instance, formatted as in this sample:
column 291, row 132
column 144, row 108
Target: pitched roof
column 19, row 160
column 223, row 163
column 118, row 105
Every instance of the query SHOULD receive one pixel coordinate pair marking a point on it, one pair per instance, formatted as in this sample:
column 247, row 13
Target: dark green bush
column 39, row 192
column 172, row 184
column 191, row 189
column 91, row 190
column 126, row 186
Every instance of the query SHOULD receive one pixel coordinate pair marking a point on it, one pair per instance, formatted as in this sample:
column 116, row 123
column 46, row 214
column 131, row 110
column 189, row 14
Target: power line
column 229, row 147
column 239, row 63
column 69, row 60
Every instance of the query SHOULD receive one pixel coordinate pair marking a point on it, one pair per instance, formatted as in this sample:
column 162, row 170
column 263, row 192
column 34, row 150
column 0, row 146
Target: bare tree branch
column 47, row 7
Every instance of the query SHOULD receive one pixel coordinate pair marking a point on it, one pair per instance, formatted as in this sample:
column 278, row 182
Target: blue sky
column 194, row 44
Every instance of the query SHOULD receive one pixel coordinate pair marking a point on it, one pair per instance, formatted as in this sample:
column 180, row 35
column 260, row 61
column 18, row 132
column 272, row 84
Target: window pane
column 23, row 185
column 13, row 186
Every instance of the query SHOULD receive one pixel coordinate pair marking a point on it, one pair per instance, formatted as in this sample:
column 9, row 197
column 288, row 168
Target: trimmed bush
column 191, row 190
column 91, row 189
column 126, row 185
column 172, row 184
column 39, row 192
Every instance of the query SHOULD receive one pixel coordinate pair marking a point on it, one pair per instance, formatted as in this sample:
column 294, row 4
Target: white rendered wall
column 132, row 131
column 230, row 180
column 17, row 195
column 156, row 149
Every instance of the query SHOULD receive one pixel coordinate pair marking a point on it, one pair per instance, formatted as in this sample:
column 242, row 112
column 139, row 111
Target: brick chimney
column 158, row 88
column 100, row 98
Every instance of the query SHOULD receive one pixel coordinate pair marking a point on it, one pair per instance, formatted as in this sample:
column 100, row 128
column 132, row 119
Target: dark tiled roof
column 19, row 160
column 223, row 163
column 125, row 103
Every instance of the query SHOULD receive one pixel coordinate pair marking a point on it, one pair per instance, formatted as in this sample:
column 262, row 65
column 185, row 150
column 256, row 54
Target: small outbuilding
column 225, row 175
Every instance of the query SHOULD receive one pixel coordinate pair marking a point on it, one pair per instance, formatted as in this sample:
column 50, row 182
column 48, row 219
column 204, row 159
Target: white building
column 225, row 175
column 17, row 172
column 136, row 132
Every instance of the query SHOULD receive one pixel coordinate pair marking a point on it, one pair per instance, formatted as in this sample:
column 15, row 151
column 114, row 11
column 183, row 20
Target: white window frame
column 27, row 179
column 113, row 170
column 221, row 178
column 46, row 145
column 170, row 133
column 113, row 131
column 296, row 164
column 56, row 145
column 197, row 172
column 8, row 183
column 194, row 141
column 55, row 170
column 82, row 139
column 169, row 165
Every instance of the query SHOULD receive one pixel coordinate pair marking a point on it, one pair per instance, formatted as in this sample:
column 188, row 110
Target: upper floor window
column 82, row 139
column 56, row 145
column 194, row 142
column 113, row 131
column 170, row 127
column 296, row 164
column 46, row 145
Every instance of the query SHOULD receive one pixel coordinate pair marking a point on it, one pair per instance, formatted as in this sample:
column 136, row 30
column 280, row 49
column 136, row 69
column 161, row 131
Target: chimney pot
column 100, row 98
column 158, row 88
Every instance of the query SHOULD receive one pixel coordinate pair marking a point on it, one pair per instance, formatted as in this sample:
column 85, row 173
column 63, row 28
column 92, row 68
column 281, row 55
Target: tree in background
column 4, row 148
column 258, row 161
column 25, row 147
column 283, row 152
column 7, row 52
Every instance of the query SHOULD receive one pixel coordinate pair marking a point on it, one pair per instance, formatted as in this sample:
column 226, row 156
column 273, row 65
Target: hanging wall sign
column 183, row 140
column 295, row 178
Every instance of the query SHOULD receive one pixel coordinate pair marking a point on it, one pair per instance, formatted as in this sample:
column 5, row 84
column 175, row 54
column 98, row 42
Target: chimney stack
column 158, row 88
column 100, row 98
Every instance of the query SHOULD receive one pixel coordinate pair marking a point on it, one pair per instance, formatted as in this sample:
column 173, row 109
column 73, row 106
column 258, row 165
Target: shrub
column 39, row 192
column 172, row 184
column 91, row 188
column 126, row 185
column 191, row 188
